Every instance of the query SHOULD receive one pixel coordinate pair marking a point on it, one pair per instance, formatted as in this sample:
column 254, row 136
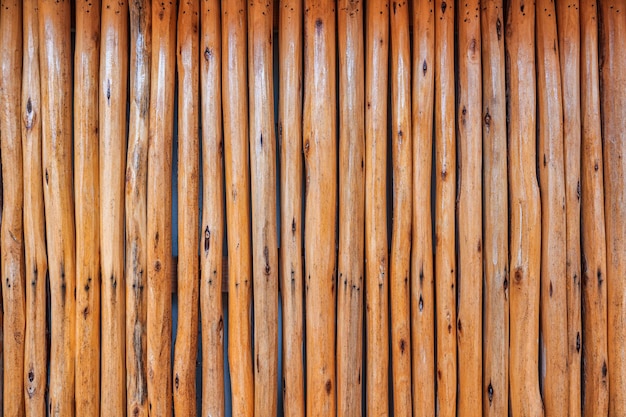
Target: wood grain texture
column 87, row 207
column 422, row 273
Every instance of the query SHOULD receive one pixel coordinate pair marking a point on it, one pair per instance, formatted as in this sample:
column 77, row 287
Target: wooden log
column 112, row 107
column 422, row 274
column 211, row 261
column 400, row 257
column 568, row 25
column 36, row 260
column 136, row 208
column 186, row 348
column 469, row 213
column 595, row 389
column 56, row 100
column 320, row 156
column 12, row 233
column 291, row 265
column 235, row 108
column 159, row 301
column 445, row 168
column 612, row 25
column 87, row 207
column 525, row 238
column 351, row 208
column 263, row 189
column 495, row 387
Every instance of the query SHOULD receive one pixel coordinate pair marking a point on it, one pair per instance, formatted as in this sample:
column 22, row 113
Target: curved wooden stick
column 595, row 381
column 186, row 348
column 351, row 208
column 213, row 400
column 87, row 206
column 320, row 155
column 290, row 142
column 136, row 209
column 422, row 274
column 12, row 234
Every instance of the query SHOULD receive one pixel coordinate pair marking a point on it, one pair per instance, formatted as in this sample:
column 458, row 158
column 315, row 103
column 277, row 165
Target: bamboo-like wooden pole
column 87, row 207
column 159, row 301
column 525, row 238
column 470, row 255
column 235, row 107
column 400, row 258
column 612, row 26
column 212, row 231
column 422, row 274
column 553, row 214
column 263, row 190
column 36, row 260
column 568, row 25
column 136, row 209
column 186, row 348
column 595, row 389
column 12, row 233
column 376, row 251
column 290, row 142
column 112, row 130
column 495, row 387
column 320, row 155
column 350, row 261
column 56, row 100
column 445, row 168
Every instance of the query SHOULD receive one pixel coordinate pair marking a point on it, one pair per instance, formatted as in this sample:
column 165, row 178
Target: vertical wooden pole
column 290, row 142
column 525, row 243
column 159, row 317
column 470, row 255
column 568, row 22
column 320, row 155
column 400, row 258
column 235, row 105
column 351, row 208
column 422, row 274
column 495, row 387
column 186, row 348
column 445, row 168
column 56, row 102
column 595, row 389
column 112, row 106
column 612, row 26
column 36, row 261
column 213, row 400
column 136, row 209
column 12, row 233
column 87, row 190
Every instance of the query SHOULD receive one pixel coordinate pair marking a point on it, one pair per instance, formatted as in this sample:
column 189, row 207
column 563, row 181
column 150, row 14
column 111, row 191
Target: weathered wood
column 236, row 150
column 320, row 155
column 36, row 260
column 291, row 264
column 422, row 274
column 136, row 209
column 400, row 257
column 159, row 225
column 495, row 387
column 612, row 26
column 350, row 262
column 87, row 207
column 595, row 389
column 525, row 238
column 212, row 229
column 186, row 348
column 56, row 100
column 12, row 233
